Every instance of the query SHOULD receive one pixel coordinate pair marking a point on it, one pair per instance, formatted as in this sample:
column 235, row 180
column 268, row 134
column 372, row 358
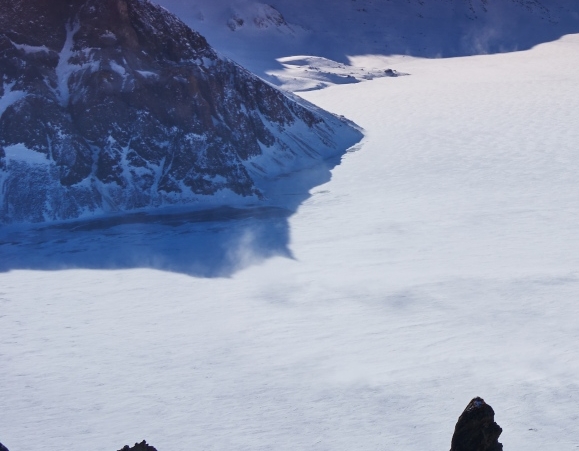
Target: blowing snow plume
column 109, row 106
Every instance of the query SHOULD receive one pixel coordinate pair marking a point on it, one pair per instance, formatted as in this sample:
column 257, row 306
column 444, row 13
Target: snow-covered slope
column 110, row 106
column 440, row 262
column 258, row 33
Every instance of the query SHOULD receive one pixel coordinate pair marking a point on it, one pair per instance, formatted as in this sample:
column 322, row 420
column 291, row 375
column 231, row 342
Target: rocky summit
column 476, row 429
column 115, row 105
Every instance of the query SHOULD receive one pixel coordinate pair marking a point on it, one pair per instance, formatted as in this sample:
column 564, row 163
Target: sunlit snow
column 440, row 262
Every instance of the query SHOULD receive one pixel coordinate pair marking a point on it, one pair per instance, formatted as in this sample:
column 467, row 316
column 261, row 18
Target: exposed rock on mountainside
column 258, row 15
column 3, row 448
column 143, row 446
column 113, row 105
column 476, row 429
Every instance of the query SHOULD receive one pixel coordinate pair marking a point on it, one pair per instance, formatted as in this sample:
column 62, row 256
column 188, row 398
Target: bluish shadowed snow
column 260, row 34
column 205, row 243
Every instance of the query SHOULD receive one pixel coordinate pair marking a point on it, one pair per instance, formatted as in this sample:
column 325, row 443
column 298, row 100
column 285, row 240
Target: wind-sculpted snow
column 440, row 262
column 109, row 106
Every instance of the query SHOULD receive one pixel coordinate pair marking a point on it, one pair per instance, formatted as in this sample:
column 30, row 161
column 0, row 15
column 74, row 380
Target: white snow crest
column 10, row 97
column 21, row 153
column 64, row 69
column 118, row 69
column 31, row 48
column 147, row 74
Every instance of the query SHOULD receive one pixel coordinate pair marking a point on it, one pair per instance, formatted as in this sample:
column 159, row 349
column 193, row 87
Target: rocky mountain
column 114, row 105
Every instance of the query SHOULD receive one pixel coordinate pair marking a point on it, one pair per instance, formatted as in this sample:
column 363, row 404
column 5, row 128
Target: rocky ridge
column 143, row 446
column 115, row 105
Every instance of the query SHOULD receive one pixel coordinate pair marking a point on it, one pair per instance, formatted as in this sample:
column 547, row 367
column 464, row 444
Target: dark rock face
column 143, row 446
column 3, row 448
column 113, row 105
column 476, row 429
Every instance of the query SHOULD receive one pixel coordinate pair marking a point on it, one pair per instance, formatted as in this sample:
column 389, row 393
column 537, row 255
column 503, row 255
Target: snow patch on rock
column 306, row 73
column 21, row 153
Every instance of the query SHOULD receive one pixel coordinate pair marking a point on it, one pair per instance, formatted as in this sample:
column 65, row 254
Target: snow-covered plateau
column 438, row 261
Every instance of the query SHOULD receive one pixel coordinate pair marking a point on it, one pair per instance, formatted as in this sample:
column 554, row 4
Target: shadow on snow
column 432, row 29
column 201, row 243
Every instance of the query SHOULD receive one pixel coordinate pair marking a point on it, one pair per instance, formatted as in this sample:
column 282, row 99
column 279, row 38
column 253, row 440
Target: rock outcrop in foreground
column 143, row 446
column 476, row 429
column 114, row 105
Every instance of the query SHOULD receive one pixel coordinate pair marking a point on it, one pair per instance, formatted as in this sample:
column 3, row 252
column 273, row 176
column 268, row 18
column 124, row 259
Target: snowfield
column 440, row 262
column 262, row 35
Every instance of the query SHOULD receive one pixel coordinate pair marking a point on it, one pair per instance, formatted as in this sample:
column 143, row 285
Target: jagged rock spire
column 476, row 429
